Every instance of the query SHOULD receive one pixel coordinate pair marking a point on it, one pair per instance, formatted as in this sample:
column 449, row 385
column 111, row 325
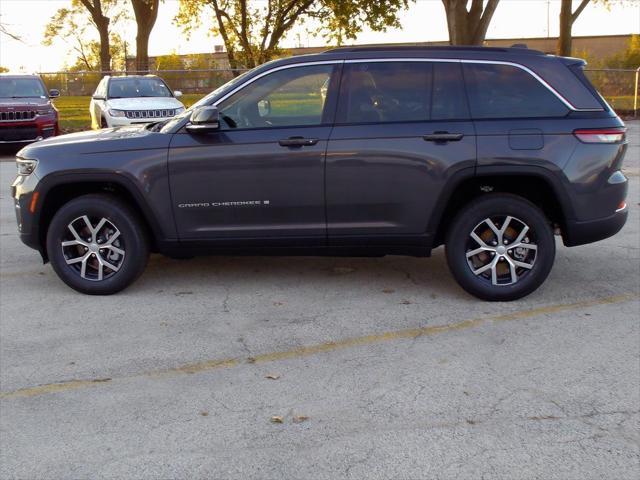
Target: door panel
column 261, row 176
column 402, row 131
column 278, row 191
column 386, row 179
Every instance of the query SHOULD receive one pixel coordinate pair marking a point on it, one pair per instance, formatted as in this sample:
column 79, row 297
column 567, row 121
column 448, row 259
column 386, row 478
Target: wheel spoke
column 523, row 233
column 83, row 270
column 477, row 251
column 71, row 261
column 479, row 240
column 75, row 234
column 517, row 263
column 512, row 268
column 70, row 243
column 89, row 226
column 111, row 239
column 492, row 226
column 113, row 248
column 505, row 225
column 110, row 266
column 530, row 246
column 99, row 226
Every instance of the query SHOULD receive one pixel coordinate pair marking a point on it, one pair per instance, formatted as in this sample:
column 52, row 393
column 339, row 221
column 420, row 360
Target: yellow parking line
column 327, row 346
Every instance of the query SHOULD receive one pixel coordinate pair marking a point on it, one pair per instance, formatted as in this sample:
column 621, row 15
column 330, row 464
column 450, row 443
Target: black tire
column 131, row 240
column 103, row 123
column 538, row 233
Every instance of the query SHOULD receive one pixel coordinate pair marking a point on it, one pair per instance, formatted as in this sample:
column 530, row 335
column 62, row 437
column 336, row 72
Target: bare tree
column 468, row 27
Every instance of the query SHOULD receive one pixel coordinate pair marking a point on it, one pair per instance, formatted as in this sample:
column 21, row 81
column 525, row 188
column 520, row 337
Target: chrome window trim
column 544, row 83
column 276, row 69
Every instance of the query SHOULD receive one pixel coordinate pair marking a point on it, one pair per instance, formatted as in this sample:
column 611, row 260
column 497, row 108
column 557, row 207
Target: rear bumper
column 580, row 233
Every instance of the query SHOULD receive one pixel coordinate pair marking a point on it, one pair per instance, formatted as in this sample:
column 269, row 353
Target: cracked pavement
column 168, row 379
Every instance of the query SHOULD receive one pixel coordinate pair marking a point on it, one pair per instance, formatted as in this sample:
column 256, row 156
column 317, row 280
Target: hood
column 8, row 103
column 135, row 137
column 143, row 103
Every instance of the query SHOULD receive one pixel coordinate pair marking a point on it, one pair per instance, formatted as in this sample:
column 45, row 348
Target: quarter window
column 505, row 91
column 290, row 97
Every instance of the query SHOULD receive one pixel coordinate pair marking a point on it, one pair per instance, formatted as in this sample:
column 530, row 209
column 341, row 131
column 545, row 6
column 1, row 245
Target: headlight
column 46, row 111
column 26, row 166
column 117, row 113
column 179, row 110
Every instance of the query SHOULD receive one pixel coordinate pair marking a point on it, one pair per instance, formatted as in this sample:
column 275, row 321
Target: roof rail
column 519, row 48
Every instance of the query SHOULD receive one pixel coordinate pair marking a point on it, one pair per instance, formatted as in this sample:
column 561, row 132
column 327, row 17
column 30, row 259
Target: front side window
column 380, row 92
column 132, row 87
column 505, row 91
column 290, row 97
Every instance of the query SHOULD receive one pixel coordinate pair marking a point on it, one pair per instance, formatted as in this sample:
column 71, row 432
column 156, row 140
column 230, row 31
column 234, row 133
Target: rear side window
column 385, row 92
column 505, row 91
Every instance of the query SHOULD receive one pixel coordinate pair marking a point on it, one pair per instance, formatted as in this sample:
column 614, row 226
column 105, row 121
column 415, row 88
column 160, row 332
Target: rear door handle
column 443, row 137
column 298, row 142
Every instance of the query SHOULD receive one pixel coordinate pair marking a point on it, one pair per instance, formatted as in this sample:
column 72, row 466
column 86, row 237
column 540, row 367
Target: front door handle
column 443, row 137
column 298, row 142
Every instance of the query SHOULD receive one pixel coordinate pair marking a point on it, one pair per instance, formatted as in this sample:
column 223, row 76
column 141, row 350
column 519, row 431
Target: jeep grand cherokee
column 356, row 151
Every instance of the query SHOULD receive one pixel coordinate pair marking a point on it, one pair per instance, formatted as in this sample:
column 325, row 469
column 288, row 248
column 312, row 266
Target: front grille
column 151, row 113
column 17, row 116
column 18, row 133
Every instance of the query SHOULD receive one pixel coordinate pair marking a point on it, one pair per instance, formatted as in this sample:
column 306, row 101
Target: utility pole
column 126, row 68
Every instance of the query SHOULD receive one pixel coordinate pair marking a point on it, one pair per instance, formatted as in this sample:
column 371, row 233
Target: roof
column 518, row 48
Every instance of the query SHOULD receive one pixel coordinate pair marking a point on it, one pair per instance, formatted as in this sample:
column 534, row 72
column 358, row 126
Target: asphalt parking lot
column 380, row 368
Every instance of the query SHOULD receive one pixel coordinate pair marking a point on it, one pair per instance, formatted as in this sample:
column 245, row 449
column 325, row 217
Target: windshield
column 168, row 125
column 137, row 87
column 21, row 88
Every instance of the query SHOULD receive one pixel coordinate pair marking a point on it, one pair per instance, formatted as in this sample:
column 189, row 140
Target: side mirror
column 264, row 108
column 53, row 93
column 177, row 93
column 204, row 119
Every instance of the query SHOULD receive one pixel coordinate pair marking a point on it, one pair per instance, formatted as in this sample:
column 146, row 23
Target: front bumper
column 28, row 131
column 123, row 121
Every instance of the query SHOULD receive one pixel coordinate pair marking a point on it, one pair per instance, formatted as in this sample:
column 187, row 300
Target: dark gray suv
column 355, row 151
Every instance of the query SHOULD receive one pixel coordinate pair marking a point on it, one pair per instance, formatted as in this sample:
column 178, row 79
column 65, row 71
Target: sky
column 423, row 21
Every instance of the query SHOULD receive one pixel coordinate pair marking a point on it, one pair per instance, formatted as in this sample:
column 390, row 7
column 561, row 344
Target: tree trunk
column 468, row 27
column 566, row 24
column 146, row 13
column 105, row 53
column 142, row 50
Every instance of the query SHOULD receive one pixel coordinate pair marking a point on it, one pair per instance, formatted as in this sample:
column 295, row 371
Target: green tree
column 252, row 30
column 468, row 26
column 70, row 24
column 146, row 13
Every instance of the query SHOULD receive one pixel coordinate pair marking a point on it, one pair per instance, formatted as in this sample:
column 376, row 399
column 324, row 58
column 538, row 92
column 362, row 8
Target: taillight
column 600, row 135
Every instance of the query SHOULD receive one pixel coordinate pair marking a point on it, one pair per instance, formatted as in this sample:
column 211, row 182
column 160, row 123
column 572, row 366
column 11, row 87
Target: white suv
column 133, row 99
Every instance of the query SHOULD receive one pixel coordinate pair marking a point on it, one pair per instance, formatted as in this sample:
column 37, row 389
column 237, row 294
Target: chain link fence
column 187, row 81
column 618, row 86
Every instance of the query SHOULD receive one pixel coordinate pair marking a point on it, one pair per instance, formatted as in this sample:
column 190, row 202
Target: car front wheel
column 500, row 247
column 97, row 245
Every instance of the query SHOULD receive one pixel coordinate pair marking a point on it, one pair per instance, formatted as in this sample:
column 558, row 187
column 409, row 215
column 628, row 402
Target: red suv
column 26, row 112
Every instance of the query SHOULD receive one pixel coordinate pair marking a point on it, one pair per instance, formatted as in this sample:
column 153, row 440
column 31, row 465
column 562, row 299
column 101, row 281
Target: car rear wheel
column 97, row 245
column 500, row 247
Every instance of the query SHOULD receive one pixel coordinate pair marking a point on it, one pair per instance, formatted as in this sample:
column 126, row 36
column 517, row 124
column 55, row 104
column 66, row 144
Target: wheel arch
column 536, row 184
column 57, row 191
